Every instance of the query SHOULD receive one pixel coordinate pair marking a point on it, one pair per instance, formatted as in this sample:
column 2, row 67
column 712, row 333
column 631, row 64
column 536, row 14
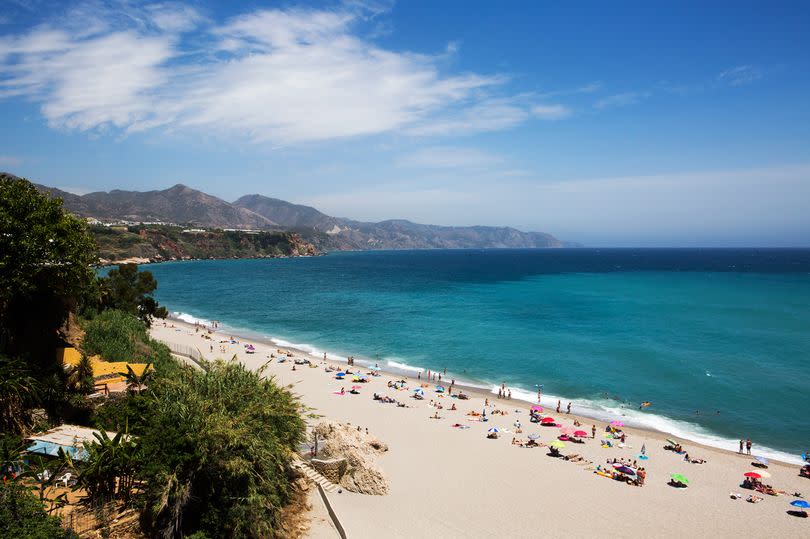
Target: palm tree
column 81, row 376
column 110, row 468
column 135, row 383
column 18, row 391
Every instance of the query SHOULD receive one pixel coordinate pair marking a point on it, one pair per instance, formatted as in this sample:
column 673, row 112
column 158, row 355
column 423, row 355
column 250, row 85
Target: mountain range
column 189, row 207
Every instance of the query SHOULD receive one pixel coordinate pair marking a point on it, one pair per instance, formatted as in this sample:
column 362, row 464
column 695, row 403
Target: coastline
column 683, row 430
column 454, row 480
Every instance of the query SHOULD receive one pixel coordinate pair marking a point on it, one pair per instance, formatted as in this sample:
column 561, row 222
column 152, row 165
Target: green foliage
column 81, row 376
column 18, row 391
column 119, row 336
column 129, row 290
column 217, row 451
column 22, row 516
column 110, row 468
column 45, row 258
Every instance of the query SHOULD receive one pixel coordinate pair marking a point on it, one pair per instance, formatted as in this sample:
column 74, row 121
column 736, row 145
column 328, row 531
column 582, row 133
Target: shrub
column 23, row 515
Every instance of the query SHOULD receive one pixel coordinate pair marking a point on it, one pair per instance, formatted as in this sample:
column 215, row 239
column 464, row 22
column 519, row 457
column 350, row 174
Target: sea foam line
column 604, row 410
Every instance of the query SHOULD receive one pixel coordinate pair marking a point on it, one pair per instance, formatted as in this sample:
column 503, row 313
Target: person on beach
column 748, row 445
column 500, row 393
column 593, row 431
column 510, row 395
column 419, row 375
column 558, row 407
column 741, row 446
column 569, row 408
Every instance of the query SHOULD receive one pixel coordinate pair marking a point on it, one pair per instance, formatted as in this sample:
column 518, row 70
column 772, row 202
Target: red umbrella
column 547, row 420
column 580, row 433
column 754, row 475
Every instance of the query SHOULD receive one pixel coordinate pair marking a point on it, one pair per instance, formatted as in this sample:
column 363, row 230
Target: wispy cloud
column 10, row 161
column 281, row 76
column 621, row 100
column 551, row 112
column 740, row 75
column 450, row 157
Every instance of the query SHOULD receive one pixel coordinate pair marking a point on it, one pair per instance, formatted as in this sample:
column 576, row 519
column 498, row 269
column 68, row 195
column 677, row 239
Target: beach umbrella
column 580, row 433
column 624, row 469
column 764, row 474
column 375, row 368
column 670, row 441
column 678, row 478
column 357, row 387
column 617, row 423
column 753, row 475
column 340, row 374
column 418, row 391
column 761, row 460
column 534, row 436
column 547, row 420
column 642, row 457
column 802, row 504
column 536, row 408
column 439, row 389
column 494, row 430
column 556, row 444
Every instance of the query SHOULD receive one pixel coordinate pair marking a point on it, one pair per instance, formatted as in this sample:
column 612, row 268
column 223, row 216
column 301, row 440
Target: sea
column 717, row 341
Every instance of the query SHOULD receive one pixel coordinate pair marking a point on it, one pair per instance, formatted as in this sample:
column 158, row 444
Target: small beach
column 455, row 482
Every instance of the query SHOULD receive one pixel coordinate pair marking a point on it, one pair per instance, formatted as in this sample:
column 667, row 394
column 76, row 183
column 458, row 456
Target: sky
column 605, row 123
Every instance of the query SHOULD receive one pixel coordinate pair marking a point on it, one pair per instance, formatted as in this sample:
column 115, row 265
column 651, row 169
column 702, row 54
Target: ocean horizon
column 715, row 339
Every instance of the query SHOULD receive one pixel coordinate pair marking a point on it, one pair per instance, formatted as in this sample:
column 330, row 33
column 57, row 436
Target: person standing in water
column 558, row 407
column 748, row 445
column 569, row 408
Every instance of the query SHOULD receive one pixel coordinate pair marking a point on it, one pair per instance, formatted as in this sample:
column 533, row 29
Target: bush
column 119, row 336
column 22, row 515
column 217, row 451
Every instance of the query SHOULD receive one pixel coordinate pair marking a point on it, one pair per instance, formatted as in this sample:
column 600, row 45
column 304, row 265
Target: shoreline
column 457, row 483
column 483, row 389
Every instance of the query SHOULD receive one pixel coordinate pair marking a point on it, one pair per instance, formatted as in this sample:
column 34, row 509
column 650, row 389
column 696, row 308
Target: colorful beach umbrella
column 439, row 389
column 556, row 444
column 678, row 478
column 419, row 391
column 624, row 469
column 761, row 460
column 357, row 387
column 536, row 408
column 801, row 504
column 340, row 374
column 617, row 423
column 764, row 474
column 547, row 420
column 642, row 457
column 494, row 430
column 580, row 434
column 753, row 475
column 534, row 436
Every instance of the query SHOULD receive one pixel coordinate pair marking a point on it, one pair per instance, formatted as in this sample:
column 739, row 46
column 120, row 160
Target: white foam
column 190, row 319
column 308, row 348
column 403, row 366
column 608, row 410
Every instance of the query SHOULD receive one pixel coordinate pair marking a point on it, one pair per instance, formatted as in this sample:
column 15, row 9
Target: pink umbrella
column 357, row 387
column 580, row 433
column 568, row 431
column 547, row 420
column 617, row 423
column 536, row 408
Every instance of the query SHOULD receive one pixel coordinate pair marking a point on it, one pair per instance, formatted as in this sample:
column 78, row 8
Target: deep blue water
column 713, row 330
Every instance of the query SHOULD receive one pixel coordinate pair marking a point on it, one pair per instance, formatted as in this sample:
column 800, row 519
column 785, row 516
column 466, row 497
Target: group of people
column 747, row 444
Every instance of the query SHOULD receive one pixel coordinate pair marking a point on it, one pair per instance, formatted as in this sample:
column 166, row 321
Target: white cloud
column 10, row 161
column 740, row 75
column 551, row 112
column 450, row 157
column 621, row 100
column 276, row 76
column 488, row 115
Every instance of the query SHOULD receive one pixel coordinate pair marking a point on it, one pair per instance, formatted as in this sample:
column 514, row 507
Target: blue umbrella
column 439, row 389
column 643, row 457
column 761, row 460
column 418, row 390
column 494, row 429
column 800, row 503
column 340, row 374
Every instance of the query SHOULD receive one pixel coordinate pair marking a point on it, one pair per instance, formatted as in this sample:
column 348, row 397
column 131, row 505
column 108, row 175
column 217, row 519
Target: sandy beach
column 453, row 482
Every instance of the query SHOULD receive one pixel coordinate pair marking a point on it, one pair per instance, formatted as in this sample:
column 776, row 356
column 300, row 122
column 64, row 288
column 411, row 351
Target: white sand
column 448, row 482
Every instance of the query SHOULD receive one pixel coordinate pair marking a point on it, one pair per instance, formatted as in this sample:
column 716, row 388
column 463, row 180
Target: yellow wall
column 71, row 356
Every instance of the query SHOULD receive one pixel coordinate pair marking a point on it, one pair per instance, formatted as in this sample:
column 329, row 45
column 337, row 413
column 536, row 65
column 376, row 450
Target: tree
column 130, row 290
column 81, row 376
column 110, row 467
column 22, row 515
column 18, row 390
column 45, row 267
column 135, row 383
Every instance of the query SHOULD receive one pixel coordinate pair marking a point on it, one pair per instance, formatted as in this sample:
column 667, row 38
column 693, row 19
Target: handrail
column 331, row 512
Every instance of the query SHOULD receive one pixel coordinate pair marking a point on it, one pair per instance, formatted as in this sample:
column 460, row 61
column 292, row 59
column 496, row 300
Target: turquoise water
column 717, row 340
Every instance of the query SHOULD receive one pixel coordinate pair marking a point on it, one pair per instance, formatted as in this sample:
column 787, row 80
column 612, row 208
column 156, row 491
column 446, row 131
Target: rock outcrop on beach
column 361, row 472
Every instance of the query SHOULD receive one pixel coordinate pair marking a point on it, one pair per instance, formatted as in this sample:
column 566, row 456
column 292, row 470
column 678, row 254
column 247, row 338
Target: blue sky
column 608, row 123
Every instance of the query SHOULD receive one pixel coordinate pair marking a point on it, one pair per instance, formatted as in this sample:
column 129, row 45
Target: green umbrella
column 670, row 441
column 678, row 478
column 556, row 444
